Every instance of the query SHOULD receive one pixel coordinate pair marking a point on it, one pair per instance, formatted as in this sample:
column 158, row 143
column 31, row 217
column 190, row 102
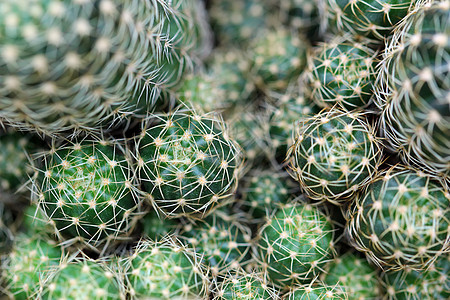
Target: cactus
column 317, row 291
column 342, row 72
column 279, row 57
column 408, row 284
column 35, row 222
column 355, row 275
column 81, row 278
column 240, row 285
column 401, row 219
column 164, row 270
column 413, row 89
column 86, row 190
column 295, row 244
column 223, row 239
column 24, row 268
column 187, row 163
column 65, row 65
column 373, row 19
column 155, row 227
column 335, row 154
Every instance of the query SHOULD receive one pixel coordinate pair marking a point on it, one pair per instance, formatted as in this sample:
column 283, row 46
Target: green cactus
column 342, row 72
column 279, row 57
column 374, row 19
column 355, row 275
column 82, row 279
column 35, row 222
column 413, row 89
column 408, row 284
column 164, row 270
column 87, row 191
column 66, row 65
column 24, row 268
column 401, row 219
column 240, row 285
column 317, row 291
column 188, row 164
column 156, row 227
column 295, row 244
column 335, row 154
column 223, row 239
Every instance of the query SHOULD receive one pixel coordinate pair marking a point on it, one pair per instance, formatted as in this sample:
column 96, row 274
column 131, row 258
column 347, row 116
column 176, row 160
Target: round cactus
column 414, row 89
column 223, row 239
column 374, row 19
column 279, row 57
column 86, row 190
column 24, row 268
column 408, row 284
column 164, row 270
column 295, row 244
column 401, row 219
column 335, row 153
column 355, row 275
column 187, row 163
column 342, row 72
column 81, row 279
column 240, row 285
column 70, row 65
column 317, row 291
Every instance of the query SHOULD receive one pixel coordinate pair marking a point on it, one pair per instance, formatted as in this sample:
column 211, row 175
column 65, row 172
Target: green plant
column 187, row 162
column 401, row 219
column 295, row 244
column 317, row 291
column 335, row 153
column 342, row 72
column 164, row 270
column 355, row 275
column 156, row 227
column 87, row 191
column 413, row 89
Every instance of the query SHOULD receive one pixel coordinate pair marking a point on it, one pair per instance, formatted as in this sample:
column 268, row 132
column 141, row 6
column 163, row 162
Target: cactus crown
column 187, row 163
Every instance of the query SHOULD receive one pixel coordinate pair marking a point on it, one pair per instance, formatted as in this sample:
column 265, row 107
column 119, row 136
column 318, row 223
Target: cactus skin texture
column 414, row 89
column 408, row 284
column 279, row 57
column 295, row 244
column 335, row 154
column 355, row 275
column 187, row 163
column 81, row 279
column 164, row 270
column 342, row 72
column 223, row 239
column 240, row 285
column 156, row 227
column 374, row 19
column 317, row 291
column 87, row 190
column 29, row 261
column 401, row 220
column 68, row 65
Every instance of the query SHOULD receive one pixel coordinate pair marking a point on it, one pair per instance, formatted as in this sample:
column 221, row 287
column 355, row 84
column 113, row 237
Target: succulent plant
column 279, row 57
column 240, row 285
column 401, row 219
column 81, row 279
column 224, row 240
column 413, row 89
column 87, row 191
column 29, row 261
column 187, row 162
column 295, row 244
column 156, row 227
column 408, row 284
column 355, row 275
column 66, row 65
column 374, row 19
column 317, row 291
column 342, row 72
column 335, row 153
column 35, row 222
column 164, row 270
